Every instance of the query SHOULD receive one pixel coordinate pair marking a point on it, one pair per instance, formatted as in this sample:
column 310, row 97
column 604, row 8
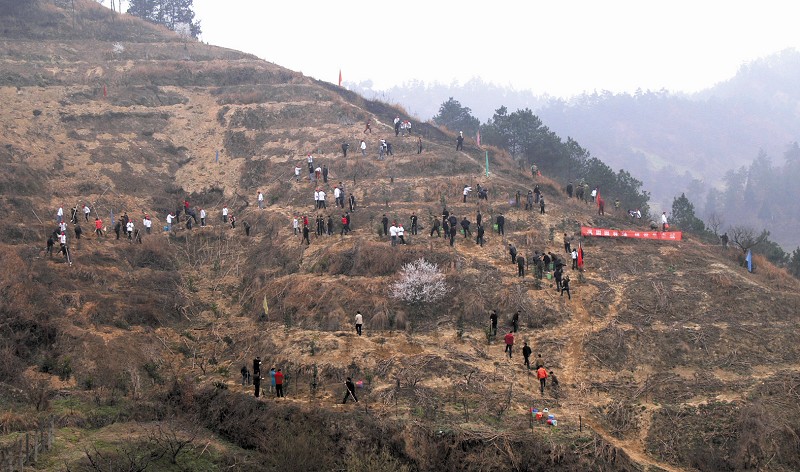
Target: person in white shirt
column 62, row 226
column 574, row 258
column 401, row 233
column 337, row 195
column 225, row 214
column 297, row 169
column 363, row 148
column 147, row 223
column 169, row 221
column 594, row 193
column 322, row 199
column 467, row 190
column 359, row 322
column 60, row 215
column 260, row 201
column 393, row 233
column 664, row 223
column 316, row 199
column 202, row 217
column 296, row 225
column 129, row 229
column 86, row 212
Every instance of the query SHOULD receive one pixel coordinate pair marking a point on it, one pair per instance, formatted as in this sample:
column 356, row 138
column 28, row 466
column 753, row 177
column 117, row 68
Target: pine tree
column 176, row 15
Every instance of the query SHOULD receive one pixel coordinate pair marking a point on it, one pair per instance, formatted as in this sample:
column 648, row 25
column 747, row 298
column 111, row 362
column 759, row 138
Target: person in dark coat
column 351, row 390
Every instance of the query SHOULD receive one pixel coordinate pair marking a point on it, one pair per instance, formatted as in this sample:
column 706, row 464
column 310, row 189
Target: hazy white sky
column 558, row 47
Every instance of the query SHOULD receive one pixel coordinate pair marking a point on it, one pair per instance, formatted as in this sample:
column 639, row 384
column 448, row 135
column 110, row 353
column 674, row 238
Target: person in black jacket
column 513, row 252
column 479, row 239
column 305, row 236
column 526, row 353
column 565, row 287
column 413, row 223
column 493, row 318
column 501, row 221
column 385, row 223
column 435, row 227
column 351, row 390
column 465, row 227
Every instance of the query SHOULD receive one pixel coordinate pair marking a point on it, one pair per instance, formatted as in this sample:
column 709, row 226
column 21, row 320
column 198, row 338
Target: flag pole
column 487, row 163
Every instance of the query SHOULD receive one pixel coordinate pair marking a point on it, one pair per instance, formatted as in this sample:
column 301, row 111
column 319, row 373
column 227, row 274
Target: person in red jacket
column 541, row 374
column 279, row 383
column 98, row 227
column 509, row 338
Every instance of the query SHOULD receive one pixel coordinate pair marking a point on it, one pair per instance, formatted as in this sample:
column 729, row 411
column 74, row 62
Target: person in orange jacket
column 509, row 338
column 541, row 374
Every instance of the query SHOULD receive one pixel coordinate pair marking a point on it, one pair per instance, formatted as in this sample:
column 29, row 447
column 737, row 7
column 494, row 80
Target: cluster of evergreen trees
column 177, row 15
column 523, row 135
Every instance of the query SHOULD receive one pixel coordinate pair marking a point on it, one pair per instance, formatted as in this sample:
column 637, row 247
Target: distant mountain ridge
column 674, row 142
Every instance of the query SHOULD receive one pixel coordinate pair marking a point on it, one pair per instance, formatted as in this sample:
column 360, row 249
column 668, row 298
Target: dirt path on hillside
column 574, row 367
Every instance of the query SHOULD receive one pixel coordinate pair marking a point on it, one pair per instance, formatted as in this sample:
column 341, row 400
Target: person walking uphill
column 359, row 322
column 526, row 354
column 493, row 319
column 351, row 391
column 509, row 339
column 541, row 374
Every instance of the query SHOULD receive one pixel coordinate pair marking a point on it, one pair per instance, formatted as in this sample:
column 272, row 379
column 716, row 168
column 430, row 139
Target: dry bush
column 379, row 321
column 154, row 253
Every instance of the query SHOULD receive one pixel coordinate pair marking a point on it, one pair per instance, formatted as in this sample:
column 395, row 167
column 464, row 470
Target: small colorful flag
column 749, row 260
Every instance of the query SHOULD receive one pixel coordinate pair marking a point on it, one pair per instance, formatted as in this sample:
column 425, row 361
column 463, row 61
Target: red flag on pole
column 340, row 77
column 580, row 256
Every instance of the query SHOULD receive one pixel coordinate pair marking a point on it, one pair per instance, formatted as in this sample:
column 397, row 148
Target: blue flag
column 749, row 260
column 216, row 159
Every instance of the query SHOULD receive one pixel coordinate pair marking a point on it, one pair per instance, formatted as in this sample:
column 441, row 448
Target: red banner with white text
column 636, row 234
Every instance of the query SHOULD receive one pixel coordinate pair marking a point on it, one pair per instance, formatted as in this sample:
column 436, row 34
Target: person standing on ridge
column 359, row 322
column 460, row 141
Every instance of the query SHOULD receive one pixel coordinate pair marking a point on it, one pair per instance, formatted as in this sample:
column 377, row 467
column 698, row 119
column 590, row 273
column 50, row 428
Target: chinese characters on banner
column 624, row 233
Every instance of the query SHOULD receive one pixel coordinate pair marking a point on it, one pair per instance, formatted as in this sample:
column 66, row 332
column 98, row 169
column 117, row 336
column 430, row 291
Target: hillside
column 670, row 356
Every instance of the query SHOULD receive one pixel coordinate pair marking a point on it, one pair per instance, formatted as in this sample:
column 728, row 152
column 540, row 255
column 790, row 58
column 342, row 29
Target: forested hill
column 674, row 143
